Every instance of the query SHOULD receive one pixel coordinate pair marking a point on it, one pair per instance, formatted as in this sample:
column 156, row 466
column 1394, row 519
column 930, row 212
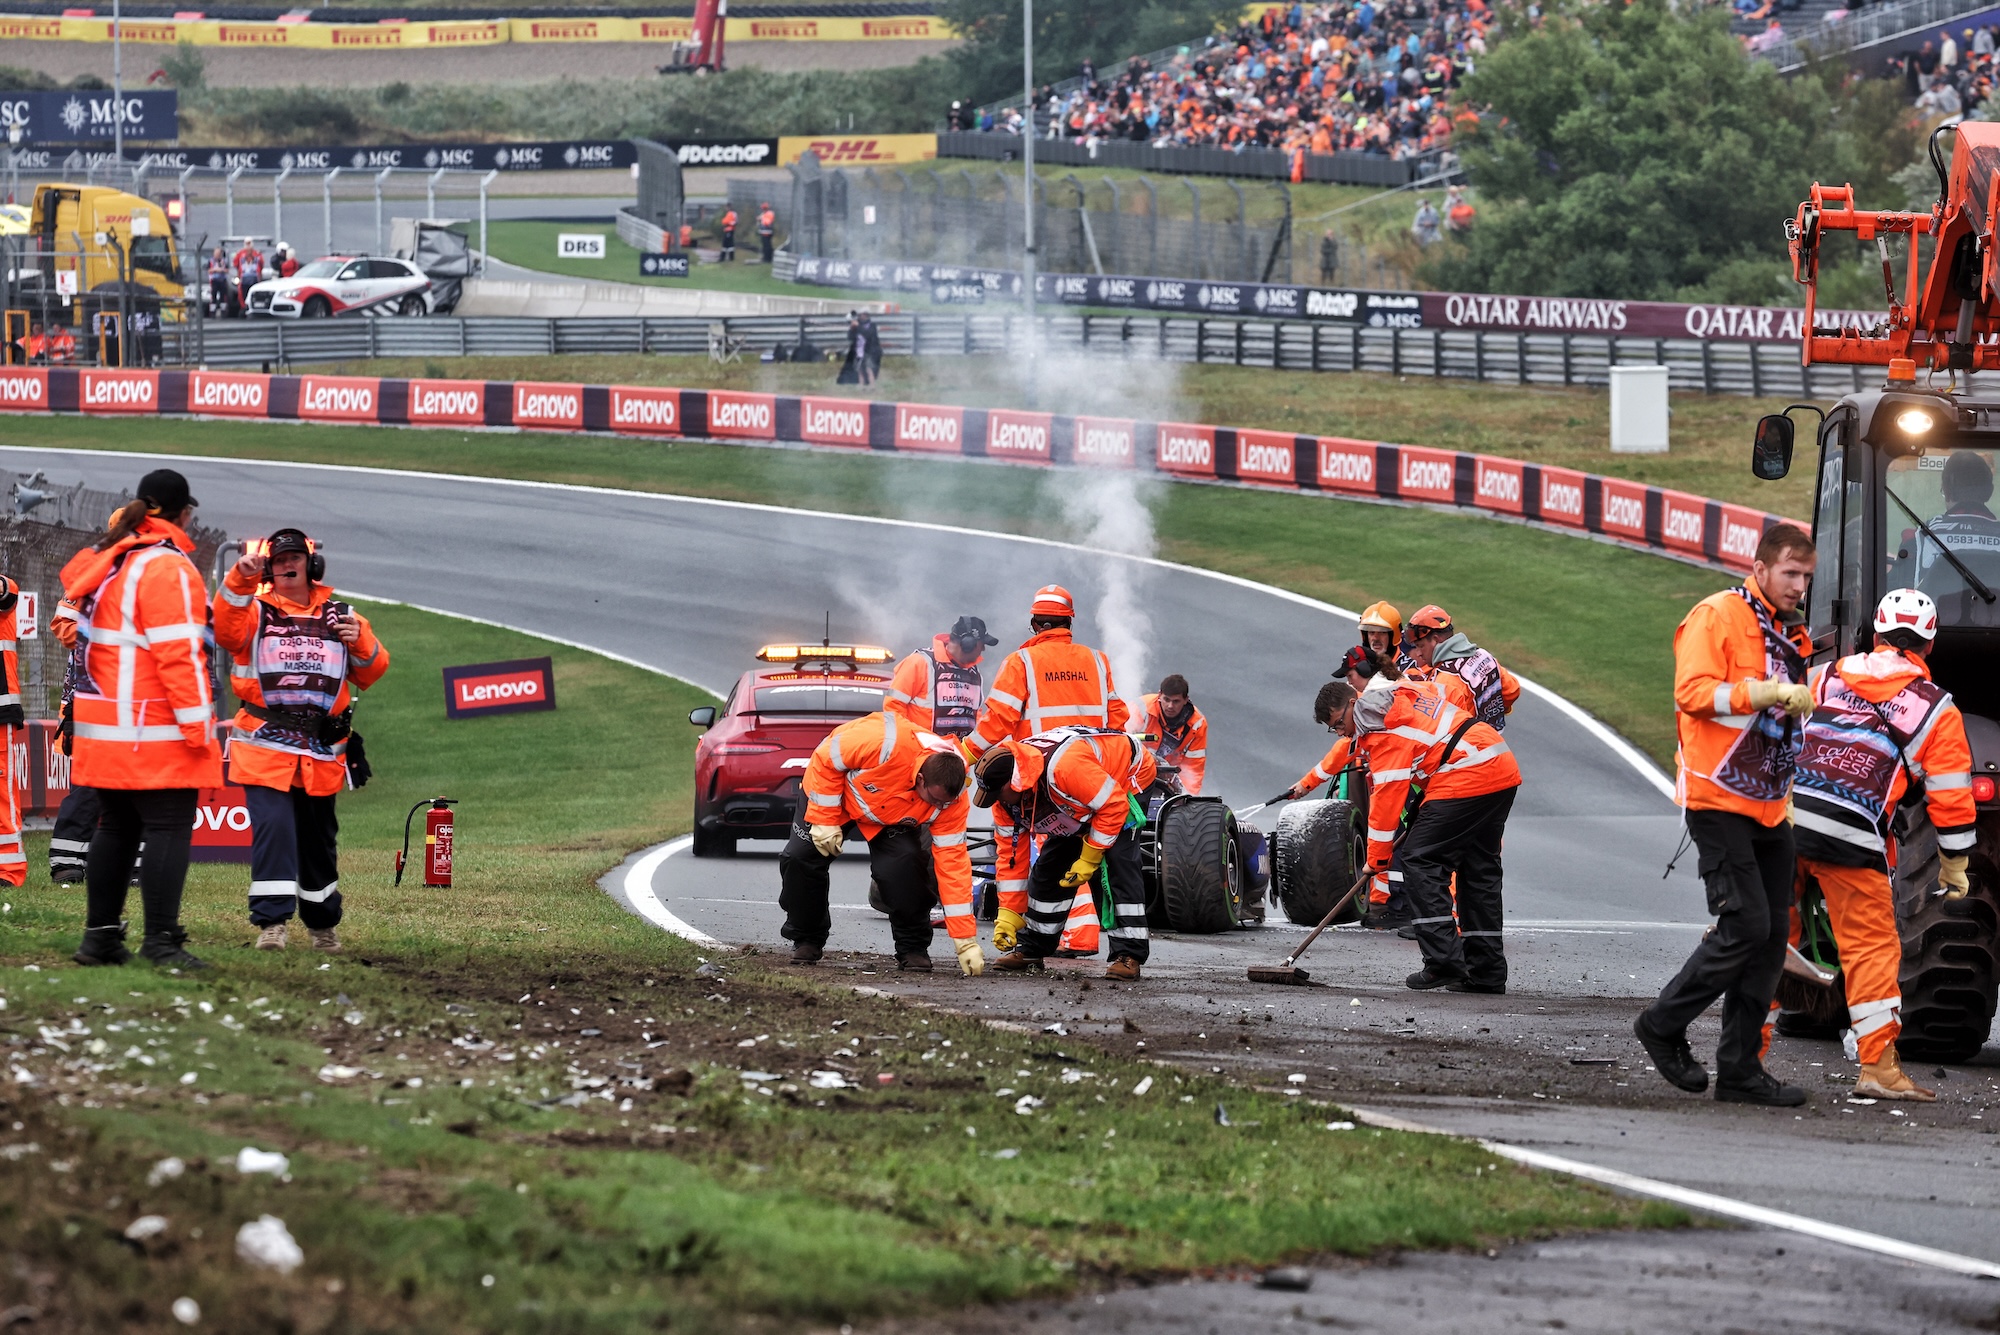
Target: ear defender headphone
column 288, row 540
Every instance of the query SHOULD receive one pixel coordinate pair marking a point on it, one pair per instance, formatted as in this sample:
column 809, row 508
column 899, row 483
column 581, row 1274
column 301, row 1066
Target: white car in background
column 345, row 285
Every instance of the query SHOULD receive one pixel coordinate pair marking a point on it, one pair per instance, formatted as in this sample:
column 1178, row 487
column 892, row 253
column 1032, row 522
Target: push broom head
column 1282, row 974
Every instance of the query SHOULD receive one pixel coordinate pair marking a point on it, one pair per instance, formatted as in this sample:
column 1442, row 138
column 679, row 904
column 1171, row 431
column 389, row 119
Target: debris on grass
column 145, row 1226
column 1290, row 1278
column 266, row 1243
column 166, row 1170
column 250, row 1159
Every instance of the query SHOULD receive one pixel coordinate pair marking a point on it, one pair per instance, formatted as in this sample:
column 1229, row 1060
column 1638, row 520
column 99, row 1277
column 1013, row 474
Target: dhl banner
column 399, row 34
column 857, row 150
column 1693, row 528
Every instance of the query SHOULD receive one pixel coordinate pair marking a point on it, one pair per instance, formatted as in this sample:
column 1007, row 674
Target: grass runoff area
column 1590, row 620
column 510, row 1106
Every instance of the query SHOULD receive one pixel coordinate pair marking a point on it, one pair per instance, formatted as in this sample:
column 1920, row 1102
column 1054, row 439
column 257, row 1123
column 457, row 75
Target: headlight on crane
column 1914, row 421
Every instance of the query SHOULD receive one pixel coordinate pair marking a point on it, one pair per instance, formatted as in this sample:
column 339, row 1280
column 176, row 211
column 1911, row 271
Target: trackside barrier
column 1690, row 527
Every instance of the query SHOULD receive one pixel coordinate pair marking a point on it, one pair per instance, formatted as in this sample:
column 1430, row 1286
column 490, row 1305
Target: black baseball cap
column 288, row 541
column 972, row 630
column 165, row 491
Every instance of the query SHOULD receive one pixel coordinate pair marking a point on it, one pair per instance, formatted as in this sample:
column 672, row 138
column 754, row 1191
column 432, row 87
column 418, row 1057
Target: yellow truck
column 61, row 216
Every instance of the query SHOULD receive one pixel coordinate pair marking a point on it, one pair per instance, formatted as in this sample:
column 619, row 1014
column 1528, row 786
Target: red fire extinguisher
column 437, row 840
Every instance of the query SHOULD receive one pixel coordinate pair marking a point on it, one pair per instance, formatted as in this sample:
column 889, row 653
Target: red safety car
column 751, row 761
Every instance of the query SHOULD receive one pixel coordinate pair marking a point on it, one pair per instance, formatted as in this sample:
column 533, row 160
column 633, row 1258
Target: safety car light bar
column 800, row 653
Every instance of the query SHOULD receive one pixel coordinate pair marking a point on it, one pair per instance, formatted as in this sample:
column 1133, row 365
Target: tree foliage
column 1067, row 31
column 1628, row 150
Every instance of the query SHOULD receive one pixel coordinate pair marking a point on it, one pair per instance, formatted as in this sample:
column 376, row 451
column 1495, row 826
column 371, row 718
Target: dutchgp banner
column 1372, row 309
column 1688, row 526
column 86, row 117
column 556, row 155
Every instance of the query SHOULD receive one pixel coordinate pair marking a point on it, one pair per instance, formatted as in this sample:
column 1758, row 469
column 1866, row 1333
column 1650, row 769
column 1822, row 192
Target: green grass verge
column 1590, row 620
column 446, row 1185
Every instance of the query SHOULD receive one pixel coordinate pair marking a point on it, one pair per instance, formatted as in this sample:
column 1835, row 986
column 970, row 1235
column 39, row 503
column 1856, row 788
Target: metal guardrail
column 1499, row 358
column 1864, row 28
column 1264, row 163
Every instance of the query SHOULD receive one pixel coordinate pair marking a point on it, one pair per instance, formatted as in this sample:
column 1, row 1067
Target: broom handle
column 1327, row 921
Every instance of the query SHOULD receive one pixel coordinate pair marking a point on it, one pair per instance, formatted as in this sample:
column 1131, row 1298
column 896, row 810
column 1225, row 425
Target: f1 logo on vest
column 513, row 687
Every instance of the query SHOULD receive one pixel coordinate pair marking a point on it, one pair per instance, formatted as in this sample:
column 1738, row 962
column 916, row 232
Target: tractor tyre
column 1313, row 860
column 1201, row 879
column 1949, row 977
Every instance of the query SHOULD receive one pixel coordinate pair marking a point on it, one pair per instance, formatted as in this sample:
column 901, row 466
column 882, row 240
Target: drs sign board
column 514, row 687
column 580, row 245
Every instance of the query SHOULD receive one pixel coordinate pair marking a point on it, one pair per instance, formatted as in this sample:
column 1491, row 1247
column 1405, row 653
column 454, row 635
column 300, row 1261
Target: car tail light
column 746, row 748
column 1983, row 787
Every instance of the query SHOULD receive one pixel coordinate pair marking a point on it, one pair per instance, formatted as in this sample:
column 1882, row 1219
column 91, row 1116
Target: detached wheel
column 1313, row 860
column 317, row 308
column 413, row 305
column 1201, row 878
column 711, row 844
column 1948, row 979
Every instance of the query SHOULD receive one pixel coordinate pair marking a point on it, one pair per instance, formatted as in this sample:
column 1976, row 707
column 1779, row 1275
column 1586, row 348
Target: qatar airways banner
column 1367, row 309
column 1633, row 513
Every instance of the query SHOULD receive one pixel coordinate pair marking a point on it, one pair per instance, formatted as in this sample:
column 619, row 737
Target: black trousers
column 294, row 857
column 898, row 859
column 1049, row 903
column 1459, row 836
column 1746, row 868
column 69, row 842
column 163, row 820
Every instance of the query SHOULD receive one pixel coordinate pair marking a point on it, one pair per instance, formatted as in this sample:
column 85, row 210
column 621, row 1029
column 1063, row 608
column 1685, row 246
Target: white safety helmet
column 1906, row 609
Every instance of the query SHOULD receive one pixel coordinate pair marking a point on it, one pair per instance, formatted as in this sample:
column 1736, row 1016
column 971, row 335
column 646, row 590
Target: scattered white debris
column 1354, row 1001
column 266, row 1242
column 1866, row 1103
column 354, row 1017
column 187, row 1311
column 1340, row 1126
column 165, row 1171
column 1142, row 1086
column 249, row 1159
column 189, row 1077
column 1006, row 1154
column 829, row 1080
column 1026, row 1105
column 1295, row 1078
column 486, row 1281
column 1055, row 1029
column 333, row 1074
column 1071, row 1075
column 146, row 1226
column 759, row 1076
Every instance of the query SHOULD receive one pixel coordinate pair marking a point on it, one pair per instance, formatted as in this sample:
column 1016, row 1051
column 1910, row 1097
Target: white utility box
column 1639, row 410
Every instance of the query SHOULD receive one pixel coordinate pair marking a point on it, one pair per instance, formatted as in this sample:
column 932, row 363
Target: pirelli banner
column 402, row 35
column 1694, row 528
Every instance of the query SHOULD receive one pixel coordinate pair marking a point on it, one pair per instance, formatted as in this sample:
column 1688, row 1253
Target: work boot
column 913, row 963
column 1485, row 989
column 1885, row 1079
column 1382, row 918
column 805, row 952
column 1428, row 979
column 326, row 940
column 67, row 875
column 1124, row 969
column 168, row 950
column 1761, row 1088
column 103, row 945
column 1015, row 962
column 1672, row 1057
column 273, row 937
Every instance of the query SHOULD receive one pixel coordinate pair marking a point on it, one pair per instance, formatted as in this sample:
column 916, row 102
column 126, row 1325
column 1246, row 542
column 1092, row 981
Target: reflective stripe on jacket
column 1409, row 748
column 1880, row 723
column 1050, row 682
column 866, row 772
column 1085, row 773
column 11, row 714
column 1718, row 650
column 1185, row 746
column 1337, row 758
column 933, row 693
column 144, row 720
column 259, row 751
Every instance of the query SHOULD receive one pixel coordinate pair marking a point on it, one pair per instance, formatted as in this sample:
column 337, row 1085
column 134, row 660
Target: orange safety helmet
column 1428, row 619
column 1381, row 616
column 1052, row 600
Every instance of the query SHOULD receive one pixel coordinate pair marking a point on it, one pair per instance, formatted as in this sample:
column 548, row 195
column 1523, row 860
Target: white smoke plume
column 1103, row 509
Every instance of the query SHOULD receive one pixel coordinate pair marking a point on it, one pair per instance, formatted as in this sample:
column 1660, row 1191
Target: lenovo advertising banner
column 514, row 687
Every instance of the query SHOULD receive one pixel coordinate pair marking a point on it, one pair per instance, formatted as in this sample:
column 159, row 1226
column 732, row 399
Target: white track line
column 1617, row 745
column 639, row 891
column 1708, row 1203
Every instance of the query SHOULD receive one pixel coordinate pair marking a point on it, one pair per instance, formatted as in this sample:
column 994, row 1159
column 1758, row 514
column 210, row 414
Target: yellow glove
column 965, row 750
column 1083, row 868
column 1951, row 875
column 828, row 839
column 1006, row 929
column 1793, row 699
column 971, row 960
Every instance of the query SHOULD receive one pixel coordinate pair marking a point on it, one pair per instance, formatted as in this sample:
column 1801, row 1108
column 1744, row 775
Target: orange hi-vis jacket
column 254, row 625
column 1726, row 747
column 1185, row 746
column 1880, row 723
column 11, row 715
column 13, row 862
column 866, row 772
column 1337, row 758
column 1453, row 685
column 144, row 718
column 1085, row 773
column 1050, row 682
column 931, row 692
column 1409, row 748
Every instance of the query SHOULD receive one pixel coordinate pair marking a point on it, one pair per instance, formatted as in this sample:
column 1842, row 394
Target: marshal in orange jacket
column 258, row 753
column 144, row 719
column 1337, row 758
column 866, row 772
column 1187, row 748
column 1408, row 748
column 1049, row 682
column 1719, row 650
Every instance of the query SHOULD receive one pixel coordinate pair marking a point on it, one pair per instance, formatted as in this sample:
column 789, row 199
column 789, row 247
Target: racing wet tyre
column 1313, row 860
column 1201, row 877
column 1948, row 979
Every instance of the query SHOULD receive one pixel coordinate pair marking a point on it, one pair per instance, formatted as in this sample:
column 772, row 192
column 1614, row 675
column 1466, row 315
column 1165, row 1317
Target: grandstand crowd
column 1360, row 77
column 1955, row 76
